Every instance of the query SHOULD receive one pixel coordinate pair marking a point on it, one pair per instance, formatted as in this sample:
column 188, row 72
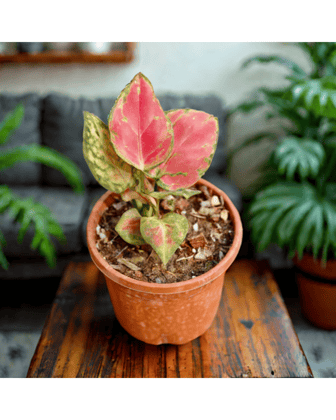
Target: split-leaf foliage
column 293, row 202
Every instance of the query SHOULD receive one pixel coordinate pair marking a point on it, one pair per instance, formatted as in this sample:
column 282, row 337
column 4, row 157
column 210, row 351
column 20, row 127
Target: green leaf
column 46, row 156
column 257, row 224
column 128, row 227
column 2, row 239
column 317, row 95
column 266, row 59
column 28, row 212
column 288, row 225
column 247, row 107
column 269, row 203
column 304, row 157
column 3, row 260
column 164, row 235
column 330, row 216
column 5, row 198
column 47, row 249
column 268, row 234
column 306, row 230
column 290, row 214
column 11, row 122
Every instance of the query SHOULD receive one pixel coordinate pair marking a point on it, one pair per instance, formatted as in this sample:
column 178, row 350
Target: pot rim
column 312, row 266
column 165, row 288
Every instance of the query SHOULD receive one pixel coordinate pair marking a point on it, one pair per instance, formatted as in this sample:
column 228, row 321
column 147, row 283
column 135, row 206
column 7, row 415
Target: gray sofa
column 57, row 121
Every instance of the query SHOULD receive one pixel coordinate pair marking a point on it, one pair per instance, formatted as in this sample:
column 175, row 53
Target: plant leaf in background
column 47, row 156
column 12, row 120
column 304, row 157
column 292, row 215
column 106, row 166
column 28, row 212
column 298, row 216
column 195, row 142
column 266, row 59
column 317, row 95
column 141, row 133
column 164, row 235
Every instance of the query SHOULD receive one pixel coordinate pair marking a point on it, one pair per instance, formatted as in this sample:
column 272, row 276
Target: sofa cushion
column 62, row 130
column 62, row 127
column 68, row 209
column 23, row 173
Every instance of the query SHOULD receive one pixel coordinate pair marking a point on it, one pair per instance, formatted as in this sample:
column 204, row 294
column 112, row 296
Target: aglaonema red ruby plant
column 145, row 154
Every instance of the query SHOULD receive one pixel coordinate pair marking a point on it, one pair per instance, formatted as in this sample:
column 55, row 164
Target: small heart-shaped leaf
column 164, row 235
column 128, row 227
column 106, row 166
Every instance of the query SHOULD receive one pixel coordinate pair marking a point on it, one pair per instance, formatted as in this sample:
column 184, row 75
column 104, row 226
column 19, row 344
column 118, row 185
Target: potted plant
column 294, row 201
column 150, row 161
column 29, row 212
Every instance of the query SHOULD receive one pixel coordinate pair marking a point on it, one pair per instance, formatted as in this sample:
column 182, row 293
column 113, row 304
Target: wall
column 175, row 67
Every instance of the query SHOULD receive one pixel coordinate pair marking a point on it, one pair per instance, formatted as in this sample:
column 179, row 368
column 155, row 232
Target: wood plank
column 59, row 57
column 251, row 336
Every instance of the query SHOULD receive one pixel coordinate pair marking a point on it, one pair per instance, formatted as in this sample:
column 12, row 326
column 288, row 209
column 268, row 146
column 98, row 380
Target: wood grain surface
column 251, row 336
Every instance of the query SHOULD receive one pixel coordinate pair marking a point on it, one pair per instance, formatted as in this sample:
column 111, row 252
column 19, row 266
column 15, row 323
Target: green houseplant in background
column 29, row 212
column 293, row 203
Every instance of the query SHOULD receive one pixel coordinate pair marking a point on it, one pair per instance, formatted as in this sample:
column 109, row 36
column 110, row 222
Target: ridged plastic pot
column 317, row 291
column 174, row 313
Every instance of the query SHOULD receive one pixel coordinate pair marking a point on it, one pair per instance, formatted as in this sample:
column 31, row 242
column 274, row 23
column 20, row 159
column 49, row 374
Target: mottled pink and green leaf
column 106, row 166
column 142, row 134
column 195, row 142
column 128, row 227
column 164, row 235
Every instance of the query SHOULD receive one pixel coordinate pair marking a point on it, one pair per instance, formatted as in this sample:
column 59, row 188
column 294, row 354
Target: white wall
column 175, row 67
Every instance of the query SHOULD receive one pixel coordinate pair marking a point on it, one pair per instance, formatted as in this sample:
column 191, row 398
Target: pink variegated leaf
column 195, row 142
column 129, row 195
column 142, row 134
column 128, row 227
column 106, row 166
column 164, row 235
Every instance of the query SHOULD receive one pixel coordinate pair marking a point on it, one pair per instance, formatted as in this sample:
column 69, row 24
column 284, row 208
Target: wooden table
column 251, row 336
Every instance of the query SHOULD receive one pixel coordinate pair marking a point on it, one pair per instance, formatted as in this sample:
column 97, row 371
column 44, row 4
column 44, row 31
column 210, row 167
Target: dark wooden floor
column 251, row 336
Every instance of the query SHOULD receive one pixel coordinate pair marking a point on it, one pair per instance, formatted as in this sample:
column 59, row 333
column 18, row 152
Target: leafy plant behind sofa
column 294, row 201
column 27, row 211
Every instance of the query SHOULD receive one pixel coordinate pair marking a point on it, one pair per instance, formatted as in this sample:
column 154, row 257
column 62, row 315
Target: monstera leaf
column 106, row 166
column 302, row 156
column 141, row 133
column 164, row 235
column 317, row 95
column 195, row 141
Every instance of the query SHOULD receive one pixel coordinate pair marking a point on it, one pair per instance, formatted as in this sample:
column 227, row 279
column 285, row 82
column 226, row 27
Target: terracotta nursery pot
column 317, row 291
column 174, row 313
